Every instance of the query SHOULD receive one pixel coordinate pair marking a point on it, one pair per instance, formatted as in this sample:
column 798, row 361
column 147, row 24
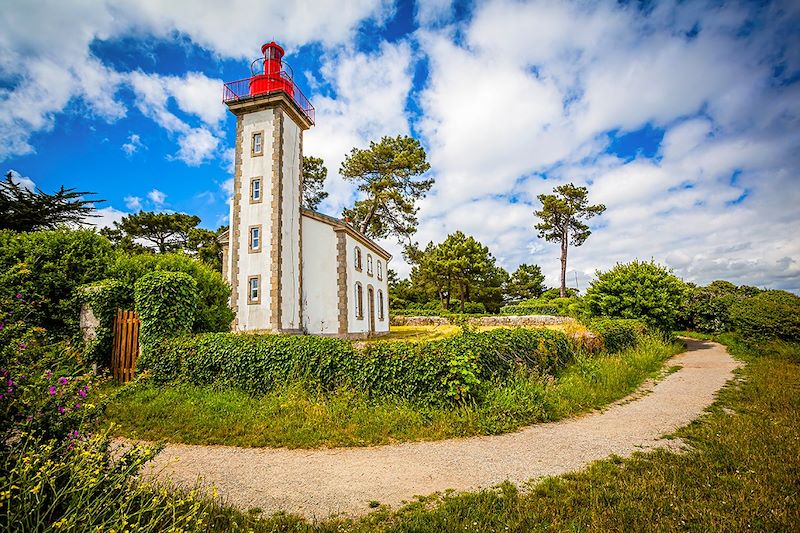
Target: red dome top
column 278, row 51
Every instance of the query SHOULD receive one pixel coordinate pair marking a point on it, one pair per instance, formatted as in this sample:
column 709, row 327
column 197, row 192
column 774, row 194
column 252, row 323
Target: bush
column 618, row 334
column 432, row 372
column 213, row 312
column 707, row 309
column 553, row 307
column 166, row 303
column 46, row 267
column 769, row 315
column 647, row 291
column 103, row 298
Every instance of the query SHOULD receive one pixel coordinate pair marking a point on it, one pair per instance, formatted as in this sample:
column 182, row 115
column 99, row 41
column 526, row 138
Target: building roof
column 341, row 225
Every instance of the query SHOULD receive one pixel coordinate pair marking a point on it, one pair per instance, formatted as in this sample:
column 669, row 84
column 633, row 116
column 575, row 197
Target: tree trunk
column 365, row 224
column 564, row 242
column 461, row 295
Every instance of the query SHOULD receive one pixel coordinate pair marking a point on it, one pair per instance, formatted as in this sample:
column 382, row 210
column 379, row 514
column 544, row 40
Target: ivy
column 103, row 298
column 166, row 304
column 453, row 369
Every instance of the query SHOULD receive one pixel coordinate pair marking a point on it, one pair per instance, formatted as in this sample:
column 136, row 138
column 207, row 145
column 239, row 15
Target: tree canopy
column 459, row 266
column 168, row 232
column 22, row 209
column 314, row 174
column 561, row 216
column 525, row 283
column 388, row 176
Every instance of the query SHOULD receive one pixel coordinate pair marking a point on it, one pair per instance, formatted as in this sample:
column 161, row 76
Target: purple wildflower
column 48, row 374
column 30, row 418
column 61, row 409
column 19, row 296
column 63, row 381
column 52, row 390
column 2, row 325
column 82, row 392
column 23, row 345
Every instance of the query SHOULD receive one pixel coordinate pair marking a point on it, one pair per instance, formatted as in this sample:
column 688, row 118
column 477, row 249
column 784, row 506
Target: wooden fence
column 126, row 345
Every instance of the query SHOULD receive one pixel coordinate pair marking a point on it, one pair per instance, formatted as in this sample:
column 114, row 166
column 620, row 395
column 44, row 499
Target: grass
column 293, row 417
column 741, row 473
column 430, row 333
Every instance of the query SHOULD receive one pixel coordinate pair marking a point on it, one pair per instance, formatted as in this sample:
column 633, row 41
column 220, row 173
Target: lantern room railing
column 259, row 86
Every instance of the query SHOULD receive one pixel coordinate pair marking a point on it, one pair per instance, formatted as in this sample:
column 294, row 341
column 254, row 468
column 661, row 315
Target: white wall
column 320, row 289
column 291, row 227
column 354, row 324
column 255, row 316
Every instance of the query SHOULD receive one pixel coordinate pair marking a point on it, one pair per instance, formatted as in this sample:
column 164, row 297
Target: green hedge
column 166, row 303
column 771, row 314
column 448, row 369
column 618, row 333
column 522, row 310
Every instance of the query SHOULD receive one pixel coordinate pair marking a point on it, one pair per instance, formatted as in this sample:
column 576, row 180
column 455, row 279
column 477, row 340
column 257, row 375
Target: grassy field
column 294, row 417
column 740, row 474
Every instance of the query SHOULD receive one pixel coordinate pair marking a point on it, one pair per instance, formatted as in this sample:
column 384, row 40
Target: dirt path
column 317, row 483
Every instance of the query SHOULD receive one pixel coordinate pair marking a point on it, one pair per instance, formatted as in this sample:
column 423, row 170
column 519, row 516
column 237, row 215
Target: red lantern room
column 269, row 75
column 274, row 76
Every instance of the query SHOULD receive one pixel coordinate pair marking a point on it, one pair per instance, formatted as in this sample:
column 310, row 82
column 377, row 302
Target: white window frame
column 253, row 188
column 254, row 285
column 369, row 264
column 359, row 299
column 256, row 151
column 380, row 305
column 380, row 270
column 357, row 258
column 254, row 245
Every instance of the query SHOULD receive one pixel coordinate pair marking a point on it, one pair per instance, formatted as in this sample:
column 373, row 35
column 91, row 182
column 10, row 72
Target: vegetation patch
column 300, row 416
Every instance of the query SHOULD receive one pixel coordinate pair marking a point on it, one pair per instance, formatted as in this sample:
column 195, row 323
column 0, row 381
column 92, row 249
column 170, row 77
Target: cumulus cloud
column 157, row 197
column 22, row 181
column 134, row 203
column 48, row 75
column 717, row 200
column 370, row 90
column 133, row 145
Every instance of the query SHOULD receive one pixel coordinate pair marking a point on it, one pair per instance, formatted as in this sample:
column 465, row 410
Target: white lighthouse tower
column 291, row 269
column 264, row 256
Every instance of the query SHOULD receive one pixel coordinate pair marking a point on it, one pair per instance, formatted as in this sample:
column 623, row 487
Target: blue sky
column 683, row 118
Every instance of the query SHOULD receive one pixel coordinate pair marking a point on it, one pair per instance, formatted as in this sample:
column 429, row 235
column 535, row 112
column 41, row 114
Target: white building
column 291, row 270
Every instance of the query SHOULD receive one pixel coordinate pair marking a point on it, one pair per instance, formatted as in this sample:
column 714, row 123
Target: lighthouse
column 264, row 263
column 291, row 269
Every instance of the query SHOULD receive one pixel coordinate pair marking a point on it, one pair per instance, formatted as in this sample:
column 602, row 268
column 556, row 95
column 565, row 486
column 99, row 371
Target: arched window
column 380, row 270
column 380, row 304
column 357, row 258
column 359, row 302
column 369, row 264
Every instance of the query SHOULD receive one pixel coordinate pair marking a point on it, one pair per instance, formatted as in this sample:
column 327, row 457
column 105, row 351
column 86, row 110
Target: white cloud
column 371, row 92
column 157, row 197
column 134, row 203
column 133, row 144
column 52, row 74
column 197, row 146
column 533, row 89
column 105, row 218
column 22, row 181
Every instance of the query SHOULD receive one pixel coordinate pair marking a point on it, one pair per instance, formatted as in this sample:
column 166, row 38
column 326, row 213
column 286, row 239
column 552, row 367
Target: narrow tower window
column 380, row 270
column 255, row 238
column 257, row 146
column 369, row 264
column 254, row 289
column 380, row 304
column 255, row 190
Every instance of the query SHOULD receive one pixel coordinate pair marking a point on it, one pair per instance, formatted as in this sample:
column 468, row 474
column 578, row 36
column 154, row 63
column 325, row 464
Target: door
column 371, row 304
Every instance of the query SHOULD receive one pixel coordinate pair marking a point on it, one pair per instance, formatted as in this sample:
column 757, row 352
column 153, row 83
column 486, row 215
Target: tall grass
column 294, row 417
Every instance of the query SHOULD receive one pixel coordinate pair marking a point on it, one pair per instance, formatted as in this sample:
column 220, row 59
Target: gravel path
column 318, row 483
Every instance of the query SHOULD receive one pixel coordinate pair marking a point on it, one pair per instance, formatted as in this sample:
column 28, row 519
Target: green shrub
column 103, row 298
column 769, row 315
column 707, row 309
column 618, row 333
column 46, row 267
column 523, row 309
column 213, row 312
column 448, row 369
column 643, row 290
column 166, row 303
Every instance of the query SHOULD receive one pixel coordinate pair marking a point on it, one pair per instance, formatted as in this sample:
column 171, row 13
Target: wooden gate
column 126, row 345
